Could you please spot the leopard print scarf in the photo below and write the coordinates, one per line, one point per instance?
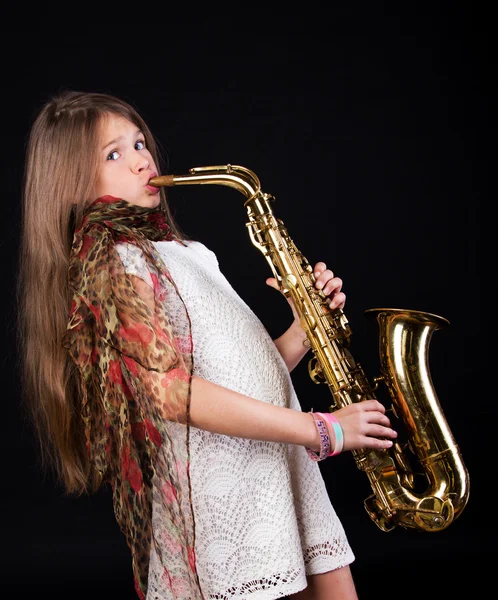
(134, 367)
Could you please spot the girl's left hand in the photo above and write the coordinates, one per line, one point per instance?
(326, 281)
(330, 285)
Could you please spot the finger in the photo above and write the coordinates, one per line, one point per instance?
(338, 301)
(272, 282)
(323, 278)
(332, 285)
(379, 431)
(377, 443)
(378, 418)
(319, 269)
(371, 405)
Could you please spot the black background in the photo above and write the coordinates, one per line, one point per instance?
(372, 128)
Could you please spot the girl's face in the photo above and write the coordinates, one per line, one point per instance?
(125, 164)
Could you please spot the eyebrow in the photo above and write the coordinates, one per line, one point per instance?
(121, 137)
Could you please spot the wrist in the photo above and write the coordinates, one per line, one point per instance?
(297, 331)
(330, 437)
(298, 339)
(321, 452)
(335, 432)
(314, 436)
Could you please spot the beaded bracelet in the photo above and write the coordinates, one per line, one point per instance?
(338, 433)
(323, 431)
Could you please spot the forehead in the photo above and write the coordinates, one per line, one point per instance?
(114, 126)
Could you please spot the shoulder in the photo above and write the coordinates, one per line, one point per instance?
(202, 250)
(130, 254)
(133, 260)
(194, 248)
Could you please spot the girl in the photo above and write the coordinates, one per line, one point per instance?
(145, 370)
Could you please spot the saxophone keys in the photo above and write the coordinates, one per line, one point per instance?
(289, 281)
(434, 514)
(307, 322)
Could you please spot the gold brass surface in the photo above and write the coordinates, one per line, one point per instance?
(421, 484)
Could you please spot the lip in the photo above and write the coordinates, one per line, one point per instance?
(151, 188)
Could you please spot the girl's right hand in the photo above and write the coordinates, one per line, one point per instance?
(364, 424)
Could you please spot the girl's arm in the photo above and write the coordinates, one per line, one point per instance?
(220, 410)
(224, 411)
(291, 343)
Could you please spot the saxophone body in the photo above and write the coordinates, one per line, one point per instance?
(432, 495)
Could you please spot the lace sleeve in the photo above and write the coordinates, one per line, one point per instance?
(134, 262)
(204, 251)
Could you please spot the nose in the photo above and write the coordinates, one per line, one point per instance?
(139, 163)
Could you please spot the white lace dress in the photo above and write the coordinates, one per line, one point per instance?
(263, 518)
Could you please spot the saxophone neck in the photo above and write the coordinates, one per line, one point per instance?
(240, 178)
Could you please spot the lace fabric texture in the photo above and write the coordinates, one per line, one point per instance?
(263, 518)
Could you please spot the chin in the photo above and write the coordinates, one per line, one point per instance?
(148, 202)
(154, 202)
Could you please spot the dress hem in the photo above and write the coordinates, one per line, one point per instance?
(284, 590)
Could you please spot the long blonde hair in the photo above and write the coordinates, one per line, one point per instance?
(59, 177)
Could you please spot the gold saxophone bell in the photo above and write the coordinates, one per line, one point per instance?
(429, 500)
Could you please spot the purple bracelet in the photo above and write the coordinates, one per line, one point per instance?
(338, 433)
(324, 439)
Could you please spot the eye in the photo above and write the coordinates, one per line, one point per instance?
(114, 155)
(139, 144)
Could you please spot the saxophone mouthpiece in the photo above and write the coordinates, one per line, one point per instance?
(162, 181)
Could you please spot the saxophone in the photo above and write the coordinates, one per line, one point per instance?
(398, 499)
